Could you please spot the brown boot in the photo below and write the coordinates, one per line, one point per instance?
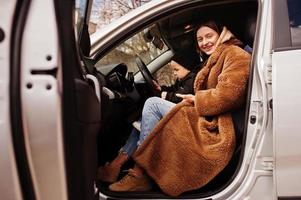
(110, 172)
(132, 182)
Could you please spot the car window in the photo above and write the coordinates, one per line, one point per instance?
(294, 9)
(146, 44)
(105, 11)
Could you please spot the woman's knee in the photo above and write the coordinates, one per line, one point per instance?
(151, 101)
(150, 104)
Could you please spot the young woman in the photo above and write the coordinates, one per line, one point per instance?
(195, 139)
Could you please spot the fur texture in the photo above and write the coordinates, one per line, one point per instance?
(192, 144)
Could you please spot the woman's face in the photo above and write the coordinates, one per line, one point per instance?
(207, 38)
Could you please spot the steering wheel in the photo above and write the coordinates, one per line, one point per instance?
(146, 75)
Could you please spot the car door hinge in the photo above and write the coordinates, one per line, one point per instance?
(267, 163)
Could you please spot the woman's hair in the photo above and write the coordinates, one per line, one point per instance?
(211, 24)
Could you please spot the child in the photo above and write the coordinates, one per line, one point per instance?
(184, 80)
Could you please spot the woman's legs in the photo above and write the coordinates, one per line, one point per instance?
(110, 172)
(131, 144)
(153, 111)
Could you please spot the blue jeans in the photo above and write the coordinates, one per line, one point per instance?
(153, 110)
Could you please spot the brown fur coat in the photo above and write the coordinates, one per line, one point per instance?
(187, 149)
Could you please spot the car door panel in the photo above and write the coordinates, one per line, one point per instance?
(286, 68)
(286, 121)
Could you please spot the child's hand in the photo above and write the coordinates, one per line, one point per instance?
(187, 98)
(158, 87)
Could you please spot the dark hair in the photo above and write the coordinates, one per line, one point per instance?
(211, 24)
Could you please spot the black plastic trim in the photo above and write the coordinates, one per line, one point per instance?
(19, 20)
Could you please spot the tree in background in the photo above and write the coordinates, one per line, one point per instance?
(109, 10)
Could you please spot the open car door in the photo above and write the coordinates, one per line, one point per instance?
(55, 110)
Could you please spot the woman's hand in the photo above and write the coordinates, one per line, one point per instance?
(187, 98)
(158, 87)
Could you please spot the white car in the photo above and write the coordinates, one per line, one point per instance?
(68, 99)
